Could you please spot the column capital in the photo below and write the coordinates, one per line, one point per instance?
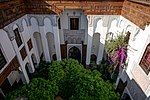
(90, 19)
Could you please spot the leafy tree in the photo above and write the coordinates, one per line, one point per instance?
(116, 50)
(68, 79)
(78, 83)
(37, 89)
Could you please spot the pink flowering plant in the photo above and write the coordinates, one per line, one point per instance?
(116, 51)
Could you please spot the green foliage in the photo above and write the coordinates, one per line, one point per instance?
(37, 89)
(112, 45)
(77, 83)
(68, 79)
(42, 70)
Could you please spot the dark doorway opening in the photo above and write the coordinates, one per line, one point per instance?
(126, 97)
(75, 53)
(54, 57)
(27, 67)
(121, 86)
(34, 61)
(93, 58)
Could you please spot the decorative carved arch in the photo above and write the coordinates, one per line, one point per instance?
(96, 20)
(75, 53)
(53, 22)
(33, 18)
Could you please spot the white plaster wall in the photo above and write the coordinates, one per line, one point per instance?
(26, 36)
(25, 33)
(49, 33)
(65, 17)
(48, 26)
(100, 24)
(137, 43)
(139, 39)
(7, 50)
(32, 29)
(11, 49)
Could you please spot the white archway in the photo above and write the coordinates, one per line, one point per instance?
(128, 29)
(113, 28)
(51, 44)
(38, 43)
(95, 43)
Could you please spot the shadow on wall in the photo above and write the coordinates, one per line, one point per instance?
(97, 49)
(136, 91)
(132, 89)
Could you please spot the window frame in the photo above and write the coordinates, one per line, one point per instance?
(18, 37)
(59, 23)
(79, 22)
(145, 63)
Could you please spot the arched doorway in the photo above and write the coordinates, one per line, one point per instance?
(34, 61)
(74, 53)
(51, 44)
(28, 70)
(54, 57)
(121, 86)
(93, 58)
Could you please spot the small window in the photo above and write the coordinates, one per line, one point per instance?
(17, 37)
(59, 25)
(74, 23)
(145, 61)
(30, 46)
(23, 53)
(2, 60)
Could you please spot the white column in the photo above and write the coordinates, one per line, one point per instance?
(29, 57)
(28, 53)
(57, 42)
(45, 44)
(90, 37)
(101, 45)
(22, 65)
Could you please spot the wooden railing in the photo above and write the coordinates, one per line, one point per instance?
(13, 65)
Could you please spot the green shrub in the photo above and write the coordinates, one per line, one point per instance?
(70, 80)
(37, 89)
